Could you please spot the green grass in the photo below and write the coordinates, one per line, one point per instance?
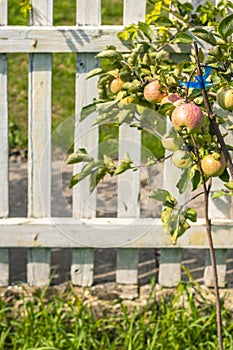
(181, 320)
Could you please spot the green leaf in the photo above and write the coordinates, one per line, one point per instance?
(125, 165)
(109, 54)
(163, 196)
(146, 29)
(86, 170)
(95, 177)
(206, 36)
(87, 110)
(79, 156)
(105, 106)
(229, 185)
(196, 180)
(174, 223)
(94, 72)
(183, 181)
(225, 27)
(225, 176)
(124, 35)
(184, 38)
(191, 214)
(163, 21)
(218, 194)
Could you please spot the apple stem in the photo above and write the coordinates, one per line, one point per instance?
(211, 246)
(211, 115)
(206, 189)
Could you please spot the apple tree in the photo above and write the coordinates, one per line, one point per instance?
(144, 87)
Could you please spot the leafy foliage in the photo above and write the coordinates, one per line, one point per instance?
(122, 98)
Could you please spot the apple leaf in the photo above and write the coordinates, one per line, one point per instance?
(95, 177)
(80, 156)
(109, 53)
(124, 166)
(218, 194)
(86, 171)
(163, 196)
(146, 29)
(183, 181)
(225, 27)
(163, 21)
(191, 214)
(174, 223)
(184, 38)
(225, 176)
(208, 37)
(229, 185)
(87, 110)
(196, 180)
(94, 72)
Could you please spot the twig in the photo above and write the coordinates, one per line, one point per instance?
(212, 116)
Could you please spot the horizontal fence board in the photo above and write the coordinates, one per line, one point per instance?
(106, 233)
(83, 39)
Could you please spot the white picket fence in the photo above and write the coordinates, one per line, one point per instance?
(40, 232)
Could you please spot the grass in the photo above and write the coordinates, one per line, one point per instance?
(63, 93)
(183, 319)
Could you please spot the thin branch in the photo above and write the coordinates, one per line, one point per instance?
(212, 116)
(206, 198)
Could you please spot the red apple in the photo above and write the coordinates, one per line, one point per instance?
(153, 92)
(116, 85)
(213, 164)
(225, 98)
(187, 115)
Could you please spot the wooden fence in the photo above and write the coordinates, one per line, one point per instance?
(40, 232)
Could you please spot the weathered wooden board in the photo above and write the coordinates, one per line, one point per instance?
(86, 136)
(39, 145)
(107, 232)
(129, 182)
(4, 168)
(83, 39)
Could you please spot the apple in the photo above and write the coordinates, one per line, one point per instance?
(187, 115)
(153, 92)
(116, 85)
(181, 159)
(213, 164)
(171, 98)
(171, 140)
(225, 98)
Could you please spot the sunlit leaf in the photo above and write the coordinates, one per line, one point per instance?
(80, 156)
(206, 36)
(225, 27)
(183, 181)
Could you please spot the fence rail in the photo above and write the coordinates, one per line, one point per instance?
(83, 232)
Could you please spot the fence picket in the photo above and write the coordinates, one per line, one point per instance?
(84, 205)
(170, 261)
(39, 148)
(170, 267)
(4, 168)
(129, 182)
